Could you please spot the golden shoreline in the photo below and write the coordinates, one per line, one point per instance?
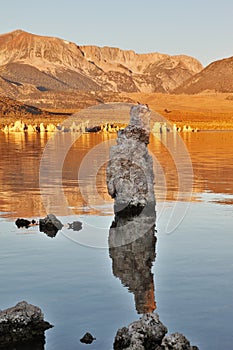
(210, 111)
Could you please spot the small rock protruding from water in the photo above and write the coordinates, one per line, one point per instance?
(149, 333)
(146, 333)
(75, 226)
(87, 338)
(25, 223)
(22, 323)
(50, 225)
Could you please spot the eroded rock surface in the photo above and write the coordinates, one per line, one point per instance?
(177, 341)
(21, 324)
(130, 177)
(50, 225)
(146, 333)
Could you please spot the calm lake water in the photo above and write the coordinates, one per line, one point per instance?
(82, 285)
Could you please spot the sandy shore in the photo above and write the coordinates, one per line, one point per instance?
(203, 111)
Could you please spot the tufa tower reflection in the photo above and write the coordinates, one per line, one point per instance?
(132, 244)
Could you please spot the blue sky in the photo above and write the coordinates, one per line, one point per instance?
(199, 28)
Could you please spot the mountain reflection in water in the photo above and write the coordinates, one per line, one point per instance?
(132, 249)
(211, 154)
(194, 264)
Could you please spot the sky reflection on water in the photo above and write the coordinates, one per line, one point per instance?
(191, 278)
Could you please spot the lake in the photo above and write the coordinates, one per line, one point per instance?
(78, 281)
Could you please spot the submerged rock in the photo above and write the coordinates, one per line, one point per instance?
(130, 177)
(87, 338)
(22, 323)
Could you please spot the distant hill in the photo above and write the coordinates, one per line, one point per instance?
(33, 64)
(12, 109)
(216, 77)
(54, 105)
(8, 105)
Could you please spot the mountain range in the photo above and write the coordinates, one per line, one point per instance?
(47, 71)
(216, 77)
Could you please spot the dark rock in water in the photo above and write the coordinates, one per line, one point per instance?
(22, 223)
(75, 226)
(145, 334)
(50, 225)
(87, 338)
(177, 341)
(130, 177)
(122, 339)
(23, 323)
(25, 223)
(148, 333)
(93, 129)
